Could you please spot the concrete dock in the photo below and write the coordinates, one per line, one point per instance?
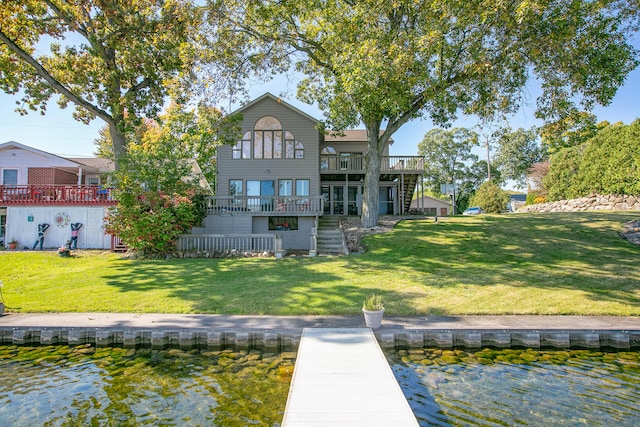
(342, 378)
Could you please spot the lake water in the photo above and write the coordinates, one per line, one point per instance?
(84, 386)
(520, 387)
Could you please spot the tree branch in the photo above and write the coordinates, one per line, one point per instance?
(59, 87)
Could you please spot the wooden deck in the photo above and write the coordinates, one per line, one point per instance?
(342, 378)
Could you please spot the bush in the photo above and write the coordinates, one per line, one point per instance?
(151, 222)
(490, 197)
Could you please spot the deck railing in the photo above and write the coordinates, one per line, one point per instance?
(55, 195)
(389, 164)
(228, 243)
(265, 205)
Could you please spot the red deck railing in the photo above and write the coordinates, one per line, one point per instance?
(55, 195)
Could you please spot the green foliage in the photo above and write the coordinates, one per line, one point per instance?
(490, 197)
(447, 154)
(574, 129)
(609, 163)
(159, 197)
(376, 62)
(517, 152)
(113, 59)
(151, 222)
(373, 302)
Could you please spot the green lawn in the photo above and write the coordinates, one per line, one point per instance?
(490, 264)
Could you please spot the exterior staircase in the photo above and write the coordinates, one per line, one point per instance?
(410, 182)
(330, 239)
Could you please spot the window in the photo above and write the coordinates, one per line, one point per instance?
(260, 188)
(327, 162)
(328, 151)
(242, 149)
(235, 190)
(302, 187)
(283, 223)
(285, 187)
(268, 140)
(10, 177)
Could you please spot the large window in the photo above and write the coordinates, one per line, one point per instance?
(302, 187)
(10, 177)
(268, 141)
(285, 187)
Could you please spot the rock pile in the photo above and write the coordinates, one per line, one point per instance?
(593, 202)
(632, 232)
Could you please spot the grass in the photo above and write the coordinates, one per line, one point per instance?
(573, 263)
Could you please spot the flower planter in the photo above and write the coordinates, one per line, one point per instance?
(64, 253)
(12, 245)
(373, 319)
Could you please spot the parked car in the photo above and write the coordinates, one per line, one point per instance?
(474, 210)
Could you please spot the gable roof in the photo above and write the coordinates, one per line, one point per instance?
(350, 135)
(103, 165)
(96, 164)
(268, 95)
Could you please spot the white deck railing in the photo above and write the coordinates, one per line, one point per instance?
(254, 243)
(265, 205)
(388, 164)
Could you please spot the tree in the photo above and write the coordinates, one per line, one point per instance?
(158, 197)
(192, 132)
(490, 198)
(608, 163)
(447, 154)
(575, 128)
(114, 65)
(517, 151)
(380, 62)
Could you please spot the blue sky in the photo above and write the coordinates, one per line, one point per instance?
(57, 132)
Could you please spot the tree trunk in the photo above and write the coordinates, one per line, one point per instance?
(373, 159)
(119, 142)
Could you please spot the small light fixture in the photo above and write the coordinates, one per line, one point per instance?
(268, 171)
(30, 218)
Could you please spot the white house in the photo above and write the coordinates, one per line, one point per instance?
(37, 187)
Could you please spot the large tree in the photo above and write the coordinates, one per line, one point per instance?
(448, 156)
(517, 151)
(111, 58)
(384, 62)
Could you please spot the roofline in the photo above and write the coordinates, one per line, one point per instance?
(279, 101)
(42, 152)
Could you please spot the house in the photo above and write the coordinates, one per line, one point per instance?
(431, 206)
(37, 187)
(284, 174)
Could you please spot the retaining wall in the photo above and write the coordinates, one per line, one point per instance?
(288, 340)
(594, 202)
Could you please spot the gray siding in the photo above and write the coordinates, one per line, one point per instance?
(227, 224)
(303, 130)
(294, 239)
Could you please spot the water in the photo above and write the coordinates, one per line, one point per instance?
(520, 387)
(84, 386)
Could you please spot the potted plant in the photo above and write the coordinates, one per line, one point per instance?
(373, 310)
(65, 250)
(13, 243)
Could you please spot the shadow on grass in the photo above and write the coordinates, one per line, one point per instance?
(420, 268)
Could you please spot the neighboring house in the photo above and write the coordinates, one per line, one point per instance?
(431, 206)
(38, 187)
(284, 174)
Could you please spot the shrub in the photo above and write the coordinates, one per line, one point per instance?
(490, 198)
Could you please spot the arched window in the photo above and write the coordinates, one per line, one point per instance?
(268, 141)
(329, 150)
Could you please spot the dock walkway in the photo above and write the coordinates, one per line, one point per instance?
(342, 378)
